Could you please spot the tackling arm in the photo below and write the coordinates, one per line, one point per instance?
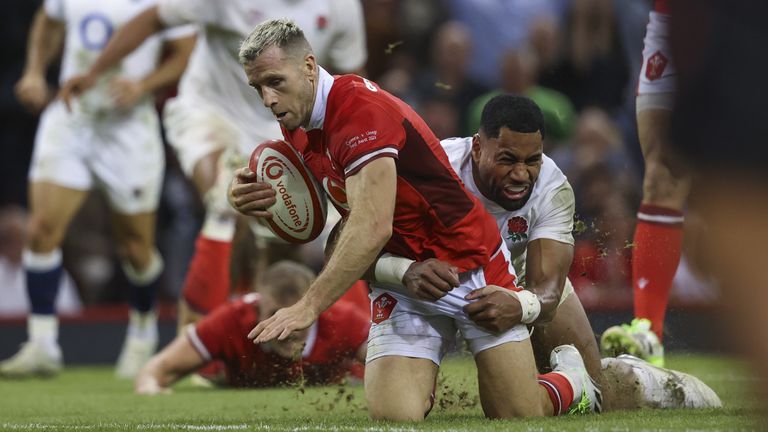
(169, 71)
(168, 366)
(127, 92)
(45, 44)
(371, 194)
(547, 265)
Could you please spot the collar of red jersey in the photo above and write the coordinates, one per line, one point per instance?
(324, 84)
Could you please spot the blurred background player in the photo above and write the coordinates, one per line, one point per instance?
(213, 123)
(504, 166)
(722, 83)
(110, 139)
(321, 354)
(658, 237)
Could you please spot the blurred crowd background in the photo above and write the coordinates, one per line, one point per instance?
(578, 59)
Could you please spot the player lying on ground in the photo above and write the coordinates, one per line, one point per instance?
(386, 172)
(111, 141)
(533, 203)
(321, 354)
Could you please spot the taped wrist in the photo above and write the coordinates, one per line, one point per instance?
(530, 305)
(391, 268)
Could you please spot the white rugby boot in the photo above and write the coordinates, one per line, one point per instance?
(666, 388)
(34, 359)
(567, 360)
(139, 346)
(636, 339)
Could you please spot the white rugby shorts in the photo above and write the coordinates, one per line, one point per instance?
(403, 326)
(195, 130)
(120, 154)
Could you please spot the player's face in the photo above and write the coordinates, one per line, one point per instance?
(269, 304)
(286, 84)
(506, 167)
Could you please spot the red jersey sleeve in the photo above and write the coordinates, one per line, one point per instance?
(367, 133)
(215, 336)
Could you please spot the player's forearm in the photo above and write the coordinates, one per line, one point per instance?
(549, 292)
(169, 72)
(154, 377)
(45, 43)
(547, 265)
(371, 194)
(174, 362)
(358, 246)
(126, 39)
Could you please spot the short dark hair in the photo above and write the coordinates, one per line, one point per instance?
(518, 113)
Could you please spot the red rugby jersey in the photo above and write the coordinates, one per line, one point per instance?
(435, 216)
(338, 333)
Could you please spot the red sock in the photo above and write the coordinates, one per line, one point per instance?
(655, 256)
(559, 390)
(207, 283)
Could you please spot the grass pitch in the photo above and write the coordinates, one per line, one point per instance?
(89, 398)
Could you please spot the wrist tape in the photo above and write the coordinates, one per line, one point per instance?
(530, 305)
(391, 268)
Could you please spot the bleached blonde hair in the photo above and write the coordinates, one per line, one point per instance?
(282, 32)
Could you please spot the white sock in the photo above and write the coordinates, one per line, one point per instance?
(44, 330)
(142, 325)
(220, 218)
(219, 228)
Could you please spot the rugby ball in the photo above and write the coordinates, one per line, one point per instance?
(299, 214)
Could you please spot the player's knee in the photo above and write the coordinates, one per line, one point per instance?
(205, 172)
(399, 412)
(136, 251)
(517, 409)
(44, 234)
(392, 406)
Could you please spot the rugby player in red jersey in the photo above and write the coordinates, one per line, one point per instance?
(320, 354)
(387, 174)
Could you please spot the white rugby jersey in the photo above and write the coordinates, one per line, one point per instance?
(547, 214)
(334, 29)
(90, 24)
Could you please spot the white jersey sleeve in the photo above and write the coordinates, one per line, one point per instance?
(178, 32)
(555, 219)
(55, 9)
(348, 51)
(458, 151)
(178, 12)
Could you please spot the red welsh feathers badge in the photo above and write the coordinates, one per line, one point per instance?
(655, 66)
(382, 308)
